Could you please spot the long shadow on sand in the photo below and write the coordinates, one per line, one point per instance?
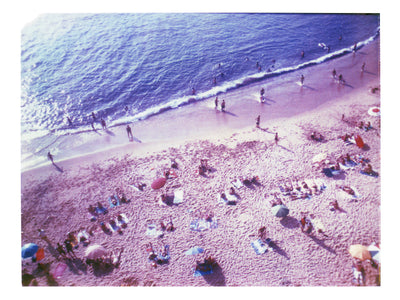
(289, 222)
(58, 168)
(278, 250)
(322, 244)
(230, 113)
(217, 278)
(76, 266)
(110, 132)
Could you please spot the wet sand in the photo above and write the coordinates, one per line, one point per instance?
(57, 199)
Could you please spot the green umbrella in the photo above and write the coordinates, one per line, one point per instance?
(280, 211)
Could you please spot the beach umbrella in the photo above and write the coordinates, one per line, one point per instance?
(95, 251)
(359, 251)
(158, 183)
(194, 250)
(375, 252)
(374, 111)
(280, 211)
(359, 141)
(29, 250)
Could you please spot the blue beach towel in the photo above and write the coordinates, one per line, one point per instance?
(259, 247)
(198, 273)
(110, 200)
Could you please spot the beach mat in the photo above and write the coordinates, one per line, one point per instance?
(112, 204)
(198, 273)
(202, 224)
(374, 174)
(259, 247)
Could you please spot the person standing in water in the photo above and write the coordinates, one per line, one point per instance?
(302, 79)
(103, 123)
(216, 102)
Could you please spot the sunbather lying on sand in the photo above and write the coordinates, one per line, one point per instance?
(167, 226)
(203, 168)
(347, 189)
(315, 136)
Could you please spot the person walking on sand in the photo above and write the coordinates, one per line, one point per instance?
(50, 156)
(103, 123)
(216, 102)
(276, 138)
(334, 74)
(223, 105)
(69, 248)
(363, 67)
(258, 121)
(61, 251)
(129, 131)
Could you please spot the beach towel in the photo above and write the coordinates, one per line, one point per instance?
(101, 210)
(123, 222)
(166, 257)
(178, 197)
(152, 231)
(202, 224)
(114, 227)
(230, 199)
(110, 200)
(373, 174)
(237, 184)
(202, 273)
(259, 247)
(59, 270)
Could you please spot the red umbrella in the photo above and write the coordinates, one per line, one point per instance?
(158, 183)
(40, 254)
(359, 141)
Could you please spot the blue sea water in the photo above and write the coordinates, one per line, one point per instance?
(128, 67)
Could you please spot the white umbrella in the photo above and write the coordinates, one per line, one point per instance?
(374, 111)
(95, 251)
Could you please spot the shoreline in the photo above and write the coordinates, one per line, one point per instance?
(57, 201)
(201, 119)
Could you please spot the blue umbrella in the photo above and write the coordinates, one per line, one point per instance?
(29, 250)
(280, 211)
(195, 250)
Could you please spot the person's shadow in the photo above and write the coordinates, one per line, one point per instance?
(216, 278)
(57, 167)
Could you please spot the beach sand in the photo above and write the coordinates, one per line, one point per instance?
(56, 197)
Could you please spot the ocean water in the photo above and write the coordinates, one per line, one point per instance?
(129, 67)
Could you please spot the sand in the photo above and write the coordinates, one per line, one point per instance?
(58, 201)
